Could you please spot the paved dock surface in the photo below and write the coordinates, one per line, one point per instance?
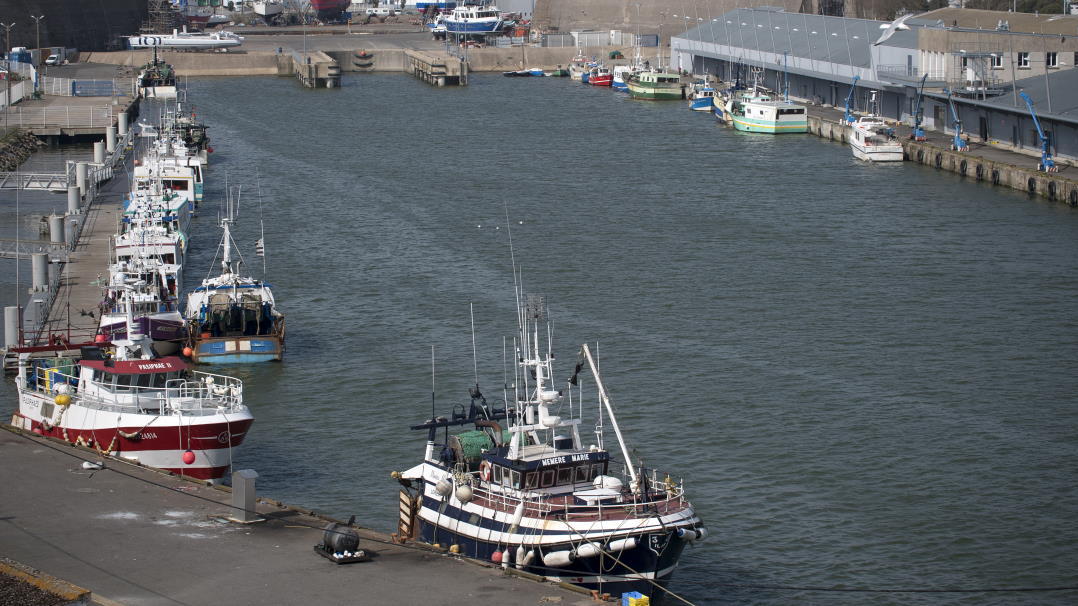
(136, 537)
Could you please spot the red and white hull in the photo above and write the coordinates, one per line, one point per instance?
(601, 79)
(159, 441)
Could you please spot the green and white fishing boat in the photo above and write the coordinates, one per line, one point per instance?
(758, 112)
(656, 85)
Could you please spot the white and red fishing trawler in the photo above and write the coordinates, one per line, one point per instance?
(123, 400)
(534, 496)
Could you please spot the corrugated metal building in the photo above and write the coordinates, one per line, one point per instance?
(818, 56)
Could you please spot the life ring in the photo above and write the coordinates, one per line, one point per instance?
(484, 471)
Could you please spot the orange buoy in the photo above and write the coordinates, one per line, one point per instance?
(188, 457)
(187, 351)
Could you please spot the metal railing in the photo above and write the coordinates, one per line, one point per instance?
(189, 397)
(99, 116)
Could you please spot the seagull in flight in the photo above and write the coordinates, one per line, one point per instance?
(892, 27)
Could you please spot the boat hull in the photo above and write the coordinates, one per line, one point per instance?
(766, 126)
(155, 440)
(473, 27)
(654, 93)
(600, 80)
(703, 104)
(882, 153)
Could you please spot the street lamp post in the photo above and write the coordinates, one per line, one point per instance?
(7, 53)
(37, 26)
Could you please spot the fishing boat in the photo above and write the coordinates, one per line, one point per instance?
(620, 77)
(156, 80)
(578, 66)
(437, 26)
(233, 318)
(124, 400)
(756, 111)
(517, 485)
(600, 76)
(874, 140)
(656, 85)
(186, 40)
(144, 291)
(702, 96)
(474, 19)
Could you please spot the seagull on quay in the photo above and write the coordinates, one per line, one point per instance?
(892, 27)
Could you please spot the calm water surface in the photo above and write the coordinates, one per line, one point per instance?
(865, 374)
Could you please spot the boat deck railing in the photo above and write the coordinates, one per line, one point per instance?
(197, 397)
(660, 496)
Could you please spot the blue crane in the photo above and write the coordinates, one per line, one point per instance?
(849, 99)
(1047, 164)
(918, 133)
(959, 144)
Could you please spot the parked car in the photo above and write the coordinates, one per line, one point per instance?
(53, 60)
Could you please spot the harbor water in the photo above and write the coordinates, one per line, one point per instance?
(865, 374)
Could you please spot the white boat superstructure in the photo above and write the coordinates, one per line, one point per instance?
(874, 140)
(184, 40)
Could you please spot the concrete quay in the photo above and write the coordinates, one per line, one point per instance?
(138, 537)
(981, 161)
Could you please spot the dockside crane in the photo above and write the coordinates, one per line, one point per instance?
(959, 144)
(1047, 164)
(918, 133)
(849, 99)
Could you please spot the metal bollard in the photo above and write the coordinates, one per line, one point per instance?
(11, 326)
(40, 266)
(99, 152)
(81, 176)
(73, 201)
(110, 139)
(56, 229)
(121, 121)
(243, 496)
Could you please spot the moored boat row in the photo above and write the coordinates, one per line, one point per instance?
(130, 394)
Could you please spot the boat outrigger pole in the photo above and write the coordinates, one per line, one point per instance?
(849, 99)
(918, 132)
(610, 410)
(959, 144)
(1047, 164)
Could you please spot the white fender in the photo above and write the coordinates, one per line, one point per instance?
(558, 558)
(687, 534)
(701, 533)
(518, 515)
(507, 557)
(443, 487)
(464, 493)
(589, 550)
(528, 558)
(520, 556)
(621, 544)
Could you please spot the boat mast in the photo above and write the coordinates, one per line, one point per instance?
(610, 410)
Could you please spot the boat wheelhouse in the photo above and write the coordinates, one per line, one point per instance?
(523, 489)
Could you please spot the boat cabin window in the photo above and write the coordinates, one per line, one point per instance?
(583, 473)
(531, 479)
(513, 477)
(176, 184)
(497, 474)
(791, 111)
(565, 475)
(548, 478)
